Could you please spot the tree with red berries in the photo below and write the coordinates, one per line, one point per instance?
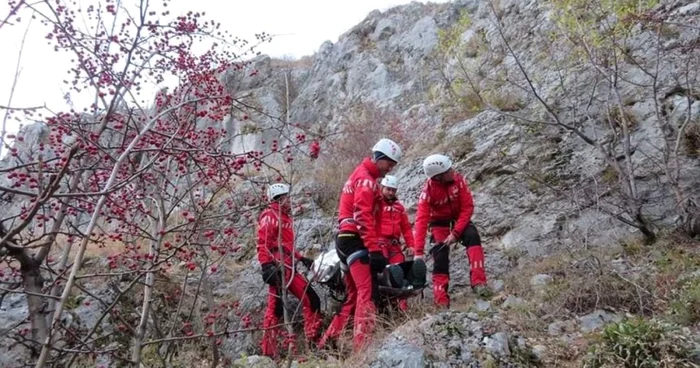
(153, 186)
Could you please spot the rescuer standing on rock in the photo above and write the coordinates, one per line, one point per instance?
(446, 206)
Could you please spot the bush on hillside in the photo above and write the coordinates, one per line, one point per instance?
(641, 343)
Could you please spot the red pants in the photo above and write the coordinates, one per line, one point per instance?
(393, 252)
(310, 303)
(358, 303)
(394, 255)
(360, 289)
(441, 261)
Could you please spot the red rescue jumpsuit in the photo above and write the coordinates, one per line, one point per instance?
(359, 219)
(394, 224)
(448, 208)
(268, 252)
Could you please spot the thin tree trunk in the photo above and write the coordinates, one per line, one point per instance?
(210, 301)
(33, 283)
(63, 262)
(287, 320)
(141, 329)
(206, 285)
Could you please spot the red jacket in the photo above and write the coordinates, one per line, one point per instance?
(269, 232)
(359, 204)
(438, 201)
(395, 222)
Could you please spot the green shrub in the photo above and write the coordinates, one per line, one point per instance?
(640, 343)
(685, 306)
(250, 128)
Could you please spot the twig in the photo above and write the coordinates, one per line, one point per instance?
(28, 293)
(14, 84)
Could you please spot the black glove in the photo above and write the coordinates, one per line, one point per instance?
(271, 275)
(306, 261)
(377, 262)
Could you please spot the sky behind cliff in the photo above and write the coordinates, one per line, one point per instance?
(299, 27)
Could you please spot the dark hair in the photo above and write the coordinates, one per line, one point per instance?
(278, 196)
(381, 156)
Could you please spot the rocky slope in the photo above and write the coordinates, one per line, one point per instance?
(539, 187)
(532, 183)
(456, 71)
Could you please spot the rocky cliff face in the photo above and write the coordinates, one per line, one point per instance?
(561, 135)
(536, 182)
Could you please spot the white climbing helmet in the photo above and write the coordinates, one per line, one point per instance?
(436, 164)
(389, 148)
(277, 189)
(390, 181)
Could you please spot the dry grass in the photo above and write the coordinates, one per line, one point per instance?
(100, 250)
(562, 354)
(364, 124)
(459, 146)
(582, 284)
(615, 119)
(586, 280)
(304, 62)
(94, 250)
(460, 108)
(692, 140)
(504, 101)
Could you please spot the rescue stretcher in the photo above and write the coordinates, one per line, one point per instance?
(402, 280)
